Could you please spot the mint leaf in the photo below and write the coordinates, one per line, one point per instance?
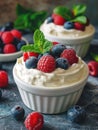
(94, 56)
(41, 45)
(80, 19)
(64, 12)
(79, 9)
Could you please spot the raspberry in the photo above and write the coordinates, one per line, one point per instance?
(54, 43)
(79, 26)
(70, 55)
(25, 56)
(46, 64)
(34, 121)
(33, 54)
(59, 20)
(7, 37)
(9, 48)
(16, 33)
(3, 79)
(93, 68)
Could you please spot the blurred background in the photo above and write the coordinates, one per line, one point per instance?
(8, 8)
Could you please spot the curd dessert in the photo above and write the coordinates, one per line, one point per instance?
(49, 75)
(70, 27)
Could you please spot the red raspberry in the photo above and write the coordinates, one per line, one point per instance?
(93, 68)
(70, 55)
(79, 26)
(46, 64)
(25, 56)
(54, 15)
(3, 79)
(7, 37)
(16, 33)
(33, 54)
(59, 20)
(9, 48)
(34, 121)
(54, 43)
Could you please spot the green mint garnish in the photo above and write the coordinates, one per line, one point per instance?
(64, 12)
(94, 56)
(41, 45)
(79, 9)
(80, 19)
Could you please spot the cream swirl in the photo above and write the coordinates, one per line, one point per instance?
(56, 30)
(57, 78)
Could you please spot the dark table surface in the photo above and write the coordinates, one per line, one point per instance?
(11, 97)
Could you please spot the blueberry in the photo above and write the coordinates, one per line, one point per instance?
(68, 25)
(57, 50)
(31, 62)
(49, 20)
(20, 44)
(76, 114)
(18, 112)
(62, 63)
(39, 56)
(7, 27)
(0, 94)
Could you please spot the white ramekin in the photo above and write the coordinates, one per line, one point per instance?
(50, 100)
(79, 44)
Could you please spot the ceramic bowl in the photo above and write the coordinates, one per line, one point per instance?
(50, 100)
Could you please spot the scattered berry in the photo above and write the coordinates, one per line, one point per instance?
(46, 64)
(18, 112)
(34, 121)
(76, 114)
(16, 33)
(59, 20)
(9, 48)
(3, 79)
(79, 26)
(57, 50)
(62, 63)
(7, 37)
(93, 68)
(68, 25)
(31, 62)
(49, 20)
(0, 94)
(70, 55)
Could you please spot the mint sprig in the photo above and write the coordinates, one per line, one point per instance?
(80, 19)
(94, 56)
(41, 45)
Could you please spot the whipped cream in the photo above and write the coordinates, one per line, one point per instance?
(58, 78)
(51, 29)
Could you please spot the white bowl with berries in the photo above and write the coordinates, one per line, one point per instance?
(50, 78)
(70, 27)
(10, 45)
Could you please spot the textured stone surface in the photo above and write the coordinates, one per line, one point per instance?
(11, 97)
(7, 7)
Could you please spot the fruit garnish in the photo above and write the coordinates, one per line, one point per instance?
(93, 68)
(79, 26)
(18, 112)
(3, 79)
(59, 20)
(76, 114)
(41, 45)
(34, 121)
(70, 55)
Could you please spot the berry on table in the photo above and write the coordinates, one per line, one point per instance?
(3, 79)
(93, 68)
(62, 63)
(18, 112)
(76, 114)
(34, 121)
(7, 37)
(31, 62)
(9, 48)
(68, 25)
(46, 64)
(70, 55)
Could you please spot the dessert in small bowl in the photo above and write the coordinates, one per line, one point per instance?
(70, 27)
(11, 42)
(49, 82)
